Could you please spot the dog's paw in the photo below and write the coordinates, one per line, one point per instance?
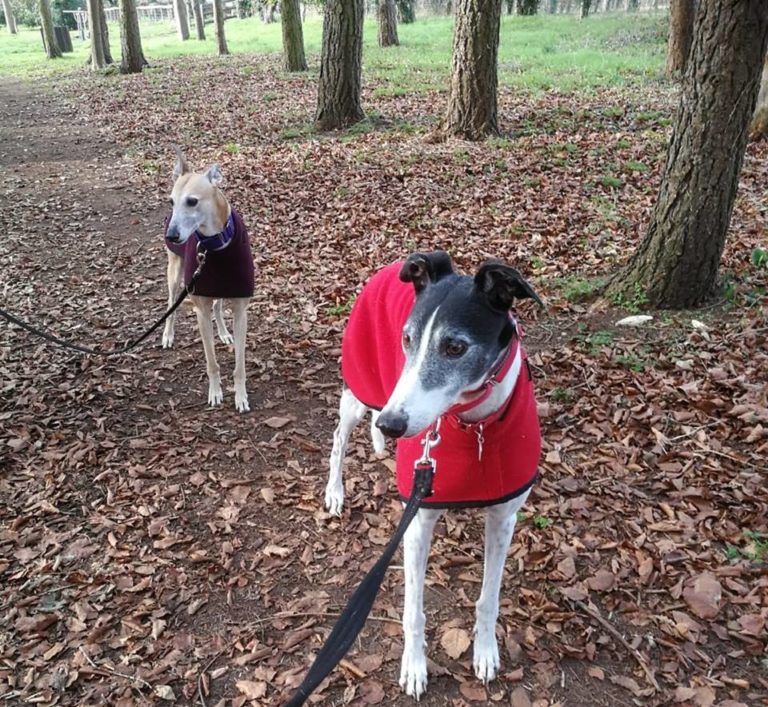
(334, 498)
(241, 402)
(215, 394)
(167, 339)
(413, 674)
(486, 658)
(226, 337)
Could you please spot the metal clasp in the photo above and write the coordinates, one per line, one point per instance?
(430, 441)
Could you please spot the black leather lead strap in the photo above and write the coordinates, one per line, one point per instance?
(352, 619)
(189, 289)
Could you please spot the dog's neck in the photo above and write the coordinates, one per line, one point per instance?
(499, 394)
(217, 215)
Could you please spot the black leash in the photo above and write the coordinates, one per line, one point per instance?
(189, 289)
(352, 619)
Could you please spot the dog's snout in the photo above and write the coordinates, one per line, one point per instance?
(173, 233)
(393, 425)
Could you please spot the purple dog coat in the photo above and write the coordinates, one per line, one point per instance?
(228, 271)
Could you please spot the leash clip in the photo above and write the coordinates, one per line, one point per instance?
(430, 441)
(201, 255)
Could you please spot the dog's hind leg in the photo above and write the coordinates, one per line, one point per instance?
(351, 411)
(240, 327)
(174, 273)
(221, 326)
(499, 526)
(416, 544)
(203, 306)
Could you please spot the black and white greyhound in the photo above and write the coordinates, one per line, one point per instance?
(426, 345)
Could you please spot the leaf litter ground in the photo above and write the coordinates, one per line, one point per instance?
(154, 550)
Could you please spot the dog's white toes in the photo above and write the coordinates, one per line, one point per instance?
(334, 499)
(486, 660)
(226, 338)
(241, 403)
(215, 395)
(413, 675)
(167, 341)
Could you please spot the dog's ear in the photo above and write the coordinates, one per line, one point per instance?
(423, 268)
(181, 166)
(501, 285)
(214, 175)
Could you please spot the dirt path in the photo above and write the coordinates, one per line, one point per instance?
(143, 534)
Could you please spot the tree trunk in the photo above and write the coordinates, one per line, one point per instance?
(472, 103)
(52, 49)
(677, 262)
(633, 5)
(199, 21)
(407, 11)
(585, 6)
(218, 21)
(98, 60)
(760, 118)
(527, 7)
(293, 36)
(130, 38)
(104, 28)
(681, 14)
(338, 89)
(182, 21)
(10, 20)
(388, 24)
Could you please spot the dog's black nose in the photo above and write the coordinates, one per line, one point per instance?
(172, 234)
(392, 425)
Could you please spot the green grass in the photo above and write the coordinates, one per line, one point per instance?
(536, 53)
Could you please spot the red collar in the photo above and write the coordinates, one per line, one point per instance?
(495, 377)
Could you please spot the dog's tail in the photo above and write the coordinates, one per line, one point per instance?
(377, 436)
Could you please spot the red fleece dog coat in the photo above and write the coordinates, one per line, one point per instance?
(227, 272)
(371, 361)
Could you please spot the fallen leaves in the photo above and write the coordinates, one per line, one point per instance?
(160, 535)
(454, 642)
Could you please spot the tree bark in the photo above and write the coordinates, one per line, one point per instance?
(104, 29)
(182, 21)
(52, 49)
(585, 7)
(527, 7)
(293, 36)
(10, 20)
(388, 24)
(472, 99)
(760, 118)
(338, 89)
(681, 14)
(407, 11)
(199, 20)
(130, 38)
(676, 264)
(218, 21)
(98, 60)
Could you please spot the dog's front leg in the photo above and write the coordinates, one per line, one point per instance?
(499, 526)
(416, 544)
(203, 306)
(240, 326)
(351, 411)
(174, 273)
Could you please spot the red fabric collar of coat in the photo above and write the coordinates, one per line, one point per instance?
(372, 360)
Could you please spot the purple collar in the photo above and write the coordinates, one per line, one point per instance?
(218, 241)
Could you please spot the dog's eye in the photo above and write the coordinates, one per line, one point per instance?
(406, 341)
(192, 201)
(454, 349)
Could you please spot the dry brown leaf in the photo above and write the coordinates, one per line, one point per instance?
(455, 641)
